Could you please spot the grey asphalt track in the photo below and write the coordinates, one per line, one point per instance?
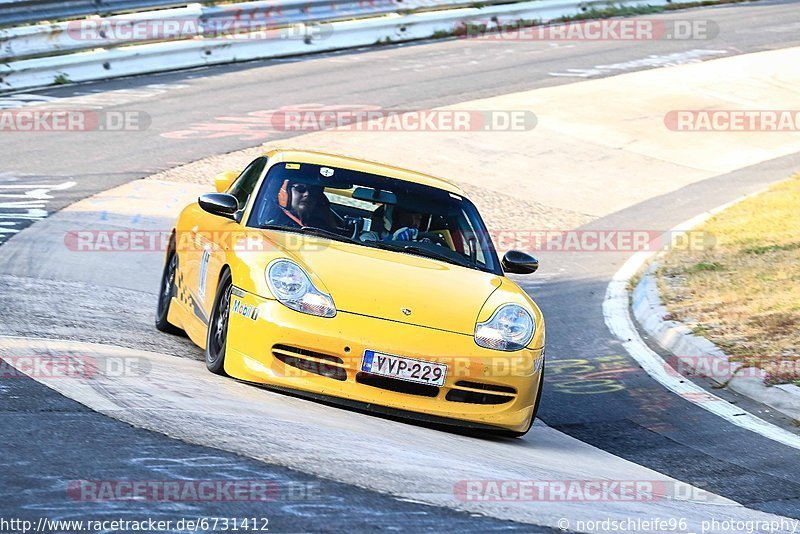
(50, 443)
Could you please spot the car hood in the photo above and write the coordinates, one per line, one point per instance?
(394, 285)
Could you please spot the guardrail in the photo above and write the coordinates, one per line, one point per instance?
(27, 11)
(78, 51)
(217, 21)
(176, 24)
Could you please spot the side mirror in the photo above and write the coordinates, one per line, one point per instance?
(221, 204)
(517, 262)
(224, 180)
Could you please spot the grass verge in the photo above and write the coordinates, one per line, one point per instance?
(743, 291)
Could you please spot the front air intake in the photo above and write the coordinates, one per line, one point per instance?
(311, 361)
(480, 393)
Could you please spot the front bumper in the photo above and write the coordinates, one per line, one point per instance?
(322, 356)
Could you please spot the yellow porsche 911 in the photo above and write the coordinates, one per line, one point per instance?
(358, 283)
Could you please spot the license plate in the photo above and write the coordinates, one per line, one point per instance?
(409, 369)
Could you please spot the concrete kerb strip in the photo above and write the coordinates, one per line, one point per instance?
(700, 354)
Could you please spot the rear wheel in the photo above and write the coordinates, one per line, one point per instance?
(165, 294)
(218, 326)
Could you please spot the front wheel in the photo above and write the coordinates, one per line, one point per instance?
(218, 327)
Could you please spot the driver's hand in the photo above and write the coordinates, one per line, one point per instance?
(405, 234)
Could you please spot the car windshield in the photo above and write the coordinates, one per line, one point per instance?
(374, 211)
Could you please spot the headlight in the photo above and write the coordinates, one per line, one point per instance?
(293, 288)
(511, 327)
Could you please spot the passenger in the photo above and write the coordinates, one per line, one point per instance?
(406, 225)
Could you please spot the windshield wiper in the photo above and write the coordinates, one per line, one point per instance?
(429, 253)
(419, 251)
(325, 233)
(310, 230)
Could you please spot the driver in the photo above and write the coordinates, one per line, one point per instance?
(302, 204)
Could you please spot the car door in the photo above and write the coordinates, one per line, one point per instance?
(216, 234)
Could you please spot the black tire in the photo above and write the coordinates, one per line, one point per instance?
(217, 338)
(511, 433)
(166, 292)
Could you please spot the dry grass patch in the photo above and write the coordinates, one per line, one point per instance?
(743, 292)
